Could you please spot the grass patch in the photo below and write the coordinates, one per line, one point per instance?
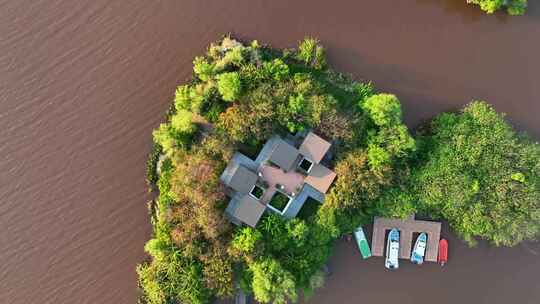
(257, 192)
(279, 201)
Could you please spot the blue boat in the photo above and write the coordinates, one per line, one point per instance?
(419, 250)
(392, 250)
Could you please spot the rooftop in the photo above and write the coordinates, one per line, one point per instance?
(277, 168)
(249, 210)
(314, 147)
(320, 178)
(242, 179)
(284, 155)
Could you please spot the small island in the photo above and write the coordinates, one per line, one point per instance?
(268, 156)
(512, 7)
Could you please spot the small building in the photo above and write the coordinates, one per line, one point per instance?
(283, 176)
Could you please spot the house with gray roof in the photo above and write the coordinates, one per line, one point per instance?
(284, 175)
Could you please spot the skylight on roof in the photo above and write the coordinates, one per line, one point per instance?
(306, 164)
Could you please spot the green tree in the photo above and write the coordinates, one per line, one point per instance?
(378, 156)
(390, 139)
(229, 85)
(296, 109)
(271, 283)
(364, 91)
(353, 198)
(182, 122)
(481, 176)
(513, 7)
(383, 109)
(311, 53)
(178, 133)
(153, 292)
(172, 279)
(164, 137)
(188, 98)
(246, 241)
(275, 69)
(203, 69)
(233, 55)
(394, 141)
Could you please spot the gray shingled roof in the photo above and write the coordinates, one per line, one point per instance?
(284, 155)
(249, 210)
(243, 179)
(314, 147)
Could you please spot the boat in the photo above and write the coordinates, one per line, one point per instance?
(419, 249)
(362, 243)
(392, 250)
(442, 257)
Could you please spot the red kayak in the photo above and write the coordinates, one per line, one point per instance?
(443, 252)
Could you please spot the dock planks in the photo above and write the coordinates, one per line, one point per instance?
(406, 229)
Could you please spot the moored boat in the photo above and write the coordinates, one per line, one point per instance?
(363, 245)
(392, 250)
(442, 257)
(419, 249)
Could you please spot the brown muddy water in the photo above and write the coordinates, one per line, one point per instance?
(83, 83)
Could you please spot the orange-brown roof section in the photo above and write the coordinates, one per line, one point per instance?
(314, 147)
(320, 178)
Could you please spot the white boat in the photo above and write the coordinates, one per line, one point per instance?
(419, 249)
(392, 250)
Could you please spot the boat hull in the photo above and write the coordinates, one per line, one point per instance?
(392, 250)
(362, 243)
(442, 257)
(419, 249)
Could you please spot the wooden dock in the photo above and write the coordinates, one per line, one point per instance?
(406, 228)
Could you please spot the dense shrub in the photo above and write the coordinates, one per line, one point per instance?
(203, 69)
(311, 53)
(229, 86)
(177, 134)
(513, 7)
(152, 163)
(272, 283)
(165, 281)
(481, 176)
(389, 139)
(275, 69)
(246, 242)
(383, 109)
(354, 198)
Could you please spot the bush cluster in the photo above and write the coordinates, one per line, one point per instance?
(481, 176)
(513, 7)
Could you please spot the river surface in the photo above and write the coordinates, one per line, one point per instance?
(83, 83)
